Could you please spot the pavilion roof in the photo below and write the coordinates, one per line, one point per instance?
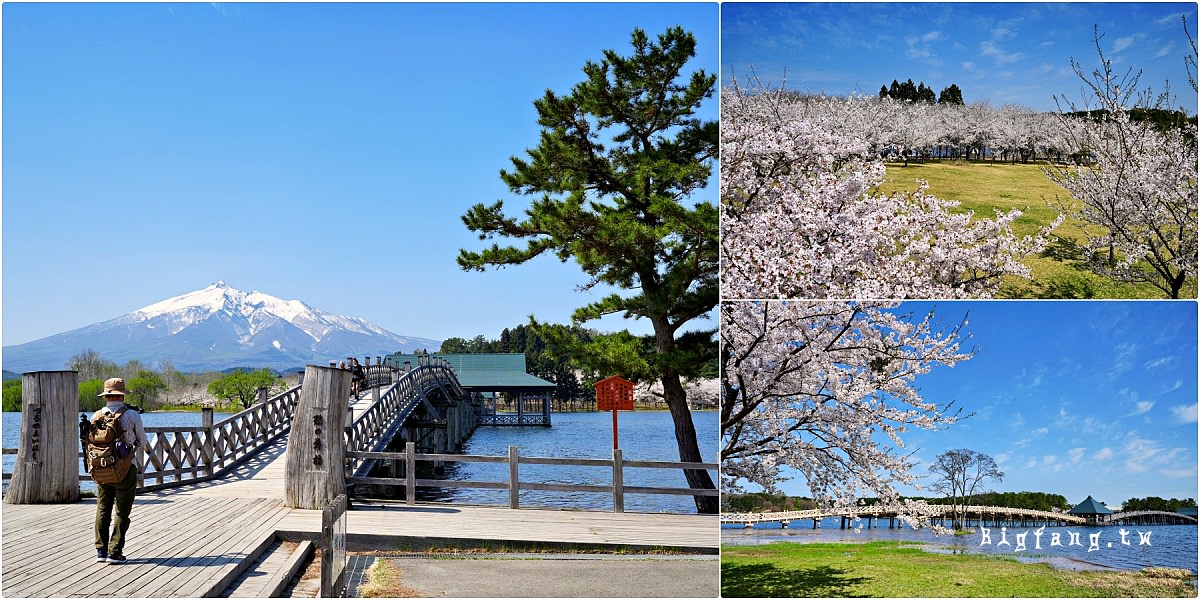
(1089, 507)
(485, 372)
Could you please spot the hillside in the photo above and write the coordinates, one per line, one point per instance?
(983, 186)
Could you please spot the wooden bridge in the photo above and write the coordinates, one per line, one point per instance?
(982, 515)
(215, 514)
(1148, 517)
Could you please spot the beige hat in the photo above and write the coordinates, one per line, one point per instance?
(113, 387)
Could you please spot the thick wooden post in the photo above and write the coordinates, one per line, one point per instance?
(47, 467)
(316, 453)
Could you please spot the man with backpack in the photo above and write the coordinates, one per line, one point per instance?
(114, 434)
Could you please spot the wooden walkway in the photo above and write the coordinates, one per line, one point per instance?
(194, 540)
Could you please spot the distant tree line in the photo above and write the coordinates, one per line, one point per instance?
(766, 502)
(1156, 503)
(155, 387)
(1026, 500)
(906, 91)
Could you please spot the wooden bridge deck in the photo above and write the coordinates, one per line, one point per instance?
(193, 540)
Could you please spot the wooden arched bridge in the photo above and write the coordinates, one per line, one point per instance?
(982, 515)
(1148, 517)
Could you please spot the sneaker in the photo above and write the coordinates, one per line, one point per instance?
(116, 558)
(101, 555)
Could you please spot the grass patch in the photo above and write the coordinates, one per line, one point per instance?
(890, 569)
(383, 581)
(983, 187)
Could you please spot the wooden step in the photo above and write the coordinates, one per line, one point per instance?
(270, 574)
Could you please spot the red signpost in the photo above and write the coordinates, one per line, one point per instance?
(614, 393)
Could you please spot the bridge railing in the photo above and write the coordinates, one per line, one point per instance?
(376, 425)
(181, 455)
(514, 485)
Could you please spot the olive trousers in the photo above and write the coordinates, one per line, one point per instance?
(119, 495)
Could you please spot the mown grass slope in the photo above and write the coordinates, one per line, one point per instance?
(890, 569)
(983, 187)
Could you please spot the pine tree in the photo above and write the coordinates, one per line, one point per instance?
(617, 164)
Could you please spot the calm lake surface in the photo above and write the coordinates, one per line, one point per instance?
(1166, 545)
(643, 435)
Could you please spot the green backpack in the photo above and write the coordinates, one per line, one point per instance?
(108, 457)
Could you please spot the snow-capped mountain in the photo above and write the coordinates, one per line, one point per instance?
(218, 328)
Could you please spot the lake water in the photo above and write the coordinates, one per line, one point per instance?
(1163, 545)
(643, 435)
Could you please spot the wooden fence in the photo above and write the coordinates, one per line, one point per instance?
(514, 485)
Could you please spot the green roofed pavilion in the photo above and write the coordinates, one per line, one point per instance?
(484, 372)
(491, 373)
(1091, 509)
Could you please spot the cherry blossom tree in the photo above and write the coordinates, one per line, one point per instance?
(815, 387)
(800, 219)
(1137, 184)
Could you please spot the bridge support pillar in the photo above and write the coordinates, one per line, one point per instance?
(816, 523)
(783, 524)
(47, 467)
(315, 472)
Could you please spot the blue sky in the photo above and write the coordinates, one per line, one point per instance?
(1011, 52)
(1071, 397)
(320, 152)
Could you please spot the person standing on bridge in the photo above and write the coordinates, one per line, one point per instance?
(359, 381)
(111, 544)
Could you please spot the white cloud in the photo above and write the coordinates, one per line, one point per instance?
(1187, 472)
(1165, 50)
(1185, 413)
(1142, 454)
(1003, 33)
(989, 48)
(1143, 407)
(1139, 452)
(1122, 43)
(1076, 455)
(1103, 454)
(1158, 362)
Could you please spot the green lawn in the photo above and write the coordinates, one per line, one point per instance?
(982, 187)
(890, 569)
